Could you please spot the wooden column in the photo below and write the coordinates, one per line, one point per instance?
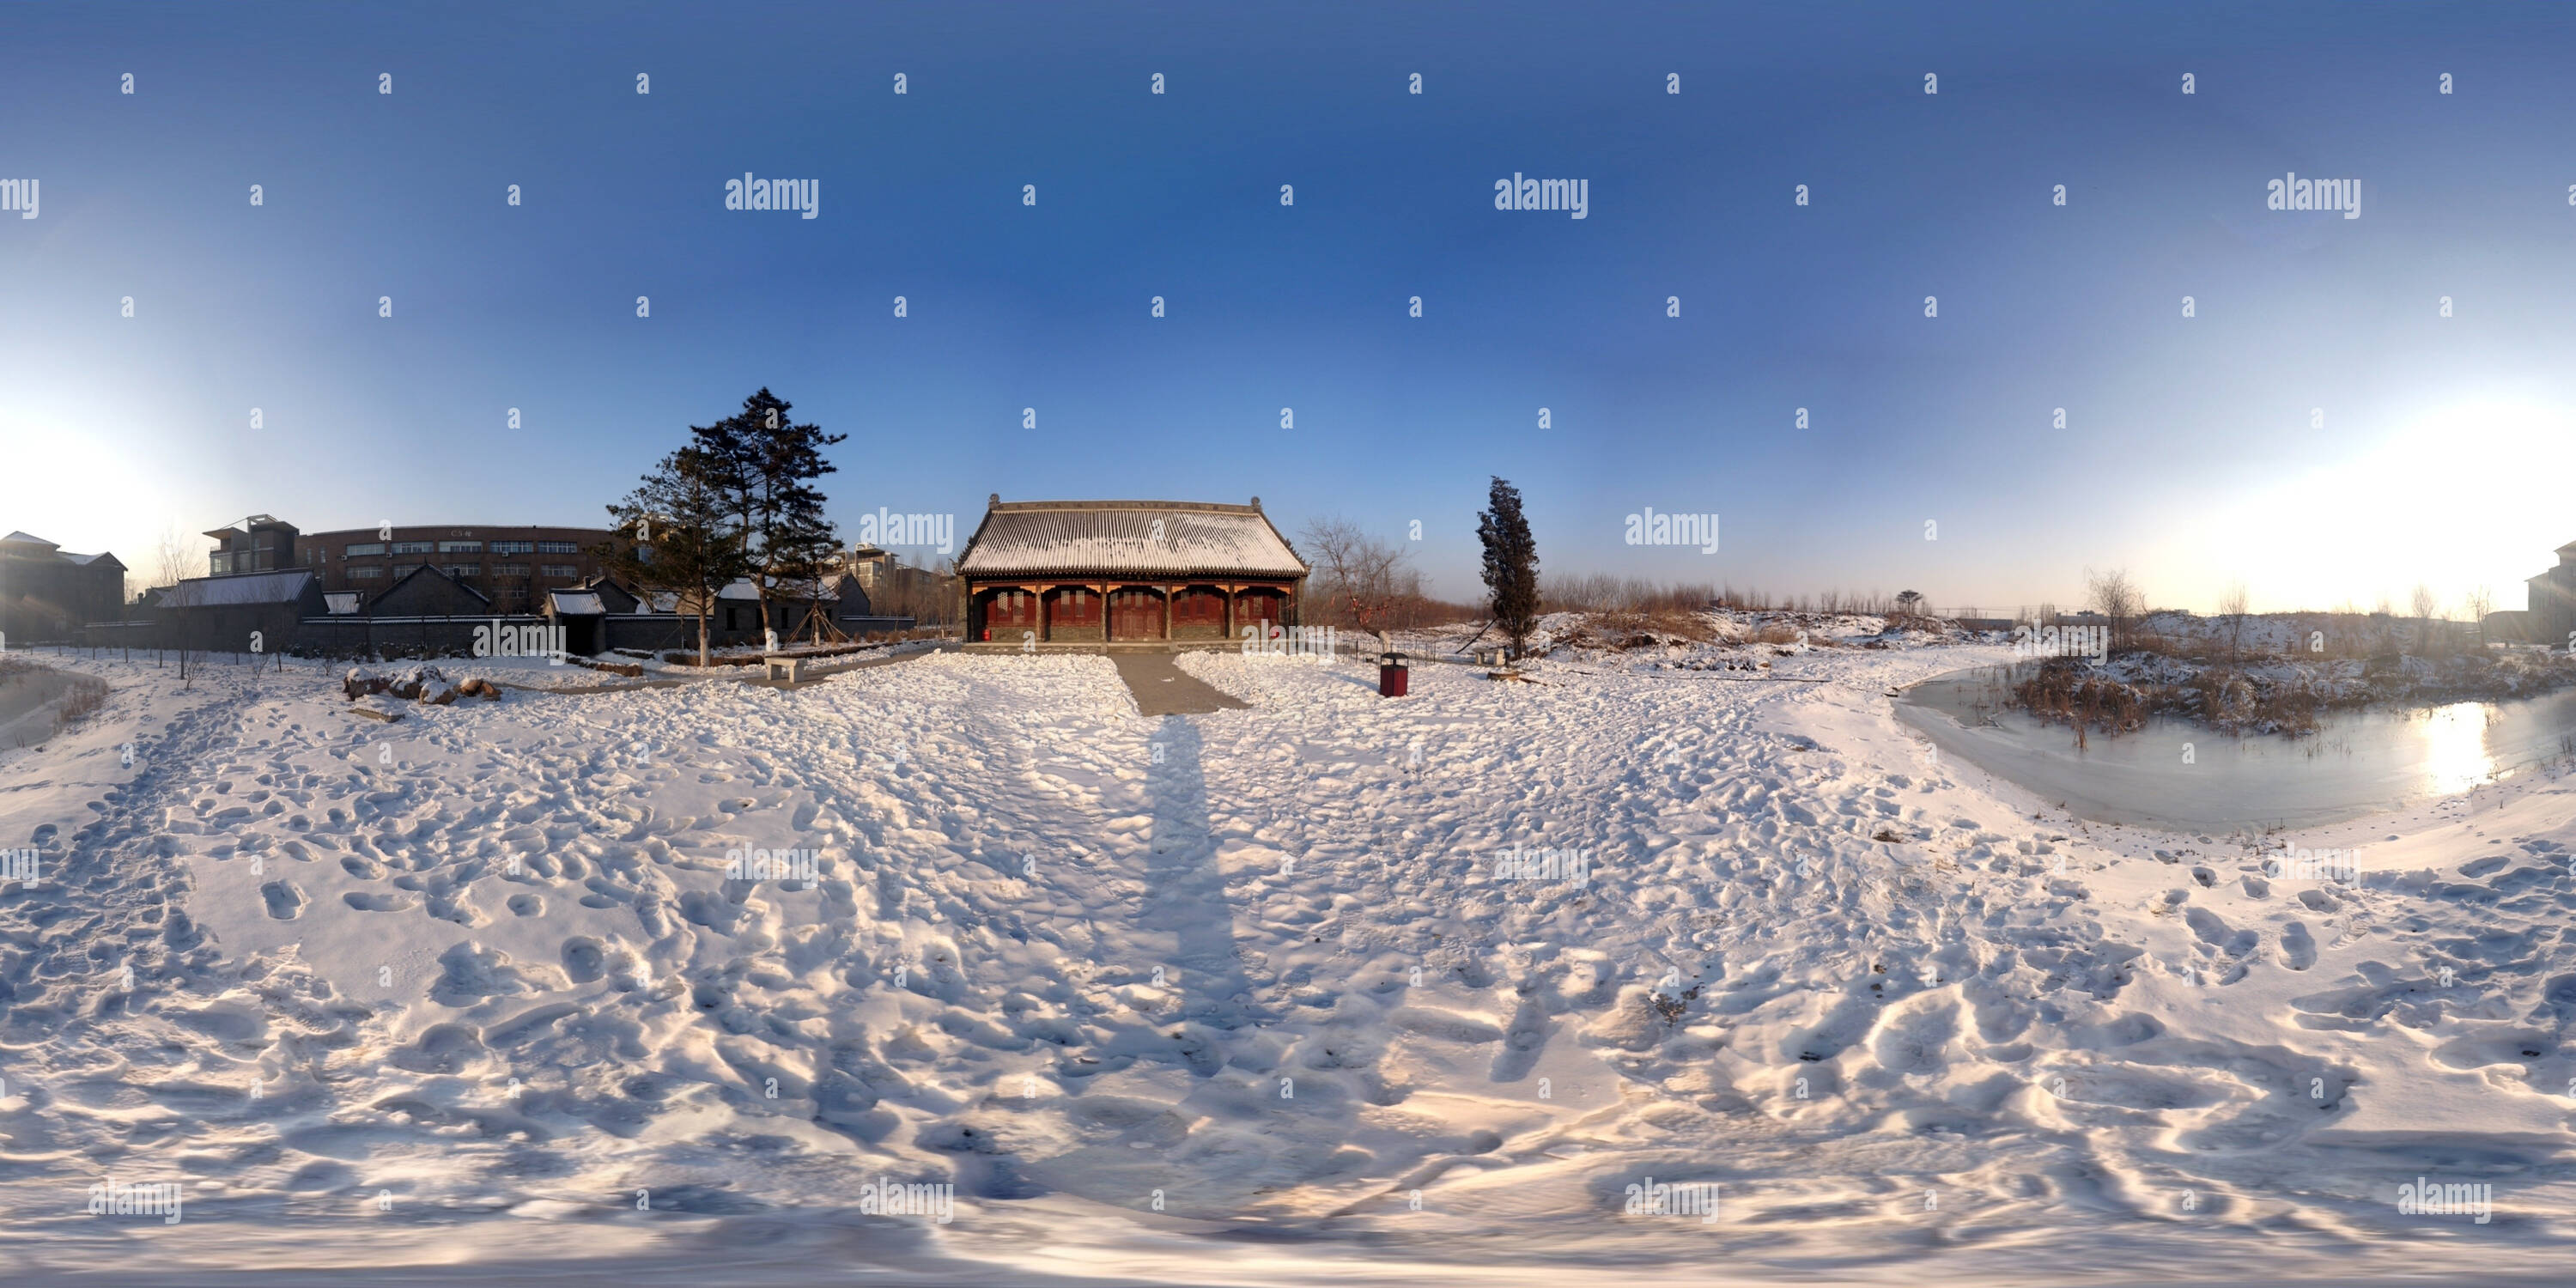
(1167, 614)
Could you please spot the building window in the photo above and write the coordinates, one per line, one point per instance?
(414, 547)
(1074, 608)
(405, 570)
(1198, 607)
(560, 570)
(460, 547)
(371, 548)
(464, 570)
(514, 547)
(509, 570)
(368, 572)
(558, 547)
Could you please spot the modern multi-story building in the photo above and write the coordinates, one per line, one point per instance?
(894, 587)
(512, 567)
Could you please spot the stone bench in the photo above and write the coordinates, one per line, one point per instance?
(772, 664)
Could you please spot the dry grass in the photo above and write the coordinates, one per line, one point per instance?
(2066, 689)
(88, 697)
(2227, 699)
(1635, 629)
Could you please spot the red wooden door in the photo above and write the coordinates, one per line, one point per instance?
(1258, 608)
(1198, 606)
(1135, 615)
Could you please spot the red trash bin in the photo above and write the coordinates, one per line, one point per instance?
(1392, 675)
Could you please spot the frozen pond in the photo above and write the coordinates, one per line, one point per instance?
(27, 698)
(2356, 764)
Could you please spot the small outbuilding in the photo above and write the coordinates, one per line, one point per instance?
(228, 612)
(580, 613)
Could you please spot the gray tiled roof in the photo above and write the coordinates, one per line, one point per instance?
(1127, 538)
(248, 588)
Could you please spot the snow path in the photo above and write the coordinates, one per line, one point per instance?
(1130, 983)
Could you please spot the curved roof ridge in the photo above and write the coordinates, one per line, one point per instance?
(1127, 539)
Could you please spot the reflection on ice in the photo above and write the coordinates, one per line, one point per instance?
(2175, 773)
(2455, 748)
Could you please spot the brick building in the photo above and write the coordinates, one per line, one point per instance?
(512, 568)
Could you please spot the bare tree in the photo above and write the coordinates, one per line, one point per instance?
(2116, 598)
(1364, 578)
(176, 558)
(2423, 606)
(2478, 603)
(2232, 606)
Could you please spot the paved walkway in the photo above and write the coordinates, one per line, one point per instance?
(1162, 688)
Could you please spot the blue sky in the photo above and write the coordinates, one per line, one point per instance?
(2192, 454)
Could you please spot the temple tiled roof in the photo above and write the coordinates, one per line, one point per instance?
(1127, 539)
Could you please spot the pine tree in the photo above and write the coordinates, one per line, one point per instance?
(676, 532)
(764, 464)
(1511, 565)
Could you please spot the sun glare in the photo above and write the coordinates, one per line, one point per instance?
(2464, 497)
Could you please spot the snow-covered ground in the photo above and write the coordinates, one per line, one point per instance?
(1242, 997)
